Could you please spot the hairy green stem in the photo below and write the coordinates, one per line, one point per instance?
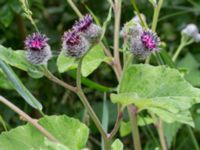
(28, 118)
(85, 102)
(156, 15)
(132, 111)
(184, 42)
(161, 134)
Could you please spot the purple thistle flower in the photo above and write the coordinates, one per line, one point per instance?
(88, 29)
(38, 50)
(83, 24)
(150, 40)
(36, 41)
(74, 44)
(144, 43)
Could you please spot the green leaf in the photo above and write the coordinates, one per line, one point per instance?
(4, 82)
(160, 90)
(192, 66)
(125, 127)
(91, 61)
(18, 59)
(54, 146)
(170, 131)
(117, 145)
(19, 87)
(70, 132)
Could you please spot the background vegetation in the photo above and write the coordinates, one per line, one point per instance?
(53, 17)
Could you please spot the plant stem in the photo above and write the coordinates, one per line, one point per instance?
(139, 14)
(132, 111)
(28, 118)
(53, 78)
(196, 145)
(161, 134)
(73, 6)
(117, 125)
(86, 103)
(181, 46)
(117, 12)
(184, 42)
(156, 15)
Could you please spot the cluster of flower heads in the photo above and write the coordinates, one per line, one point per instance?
(83, 34)
(75, 43)
(141, 42)
(192, 32)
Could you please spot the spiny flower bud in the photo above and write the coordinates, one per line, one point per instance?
(74, 44)
(38, 50)
(144, 44)
(88, 29)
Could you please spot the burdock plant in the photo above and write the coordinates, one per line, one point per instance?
(152, 92)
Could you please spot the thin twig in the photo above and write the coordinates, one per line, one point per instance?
(29, 119)
(117, 125)
(53, 78)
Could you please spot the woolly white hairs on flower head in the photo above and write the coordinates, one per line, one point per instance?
(39, 57)
(190, 30)
(136, 19)
(197, 38)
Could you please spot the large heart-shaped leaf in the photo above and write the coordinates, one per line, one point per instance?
(18, 59)
(160, 90)
(91, 61)
(70, 132)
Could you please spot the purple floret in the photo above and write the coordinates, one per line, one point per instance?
(150, 40)
(71, 38)
(83, 23)
(36, 41)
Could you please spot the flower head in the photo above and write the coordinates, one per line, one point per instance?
(38, 50)
(150, 40)
(36, 41)
(192, 32)
(83, 24)
(144, 43)
(74, 44)
(88, 29)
